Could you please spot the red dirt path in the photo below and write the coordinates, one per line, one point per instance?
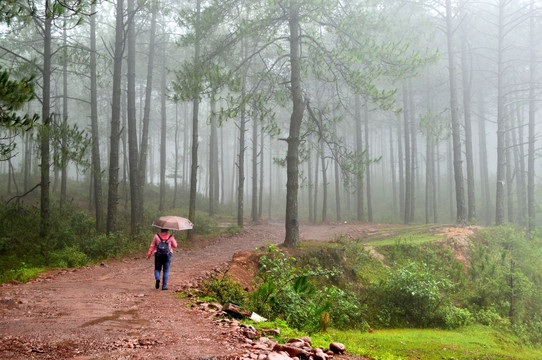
(114, 312)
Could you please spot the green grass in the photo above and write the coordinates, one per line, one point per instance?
(467, 343)
(412, 238)
(472, 342)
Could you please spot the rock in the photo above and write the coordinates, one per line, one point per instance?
(306, 339)
(337, 348)
(291, 350)
(277, 356)
(319, 354)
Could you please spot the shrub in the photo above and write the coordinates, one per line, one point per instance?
(225, 290)
(68, 257)
(411, 296)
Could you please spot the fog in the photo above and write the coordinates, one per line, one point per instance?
(357, 74)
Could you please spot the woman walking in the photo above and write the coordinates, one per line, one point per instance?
(162, 246)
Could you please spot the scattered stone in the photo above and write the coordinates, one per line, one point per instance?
(337, 348)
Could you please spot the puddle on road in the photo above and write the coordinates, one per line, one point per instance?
(128, 318)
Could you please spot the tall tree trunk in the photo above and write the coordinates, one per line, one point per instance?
(469, 156)
(112, 197)
(213, 160)
(310, 187)
(414, 176)
(195, 119)
(241, 158)
(401, 163)
(163, 132)
(393, 176)
(133, 153)
(260, 196)
(509, 179)
(408, 167)
(96, 165)
(254, 209)
(64, 160)
(176, 168)
(519, 161)
(482, 151)
(501, 126)
(144, 148)
(533, 39)
(456, 128)
(292, 157)
(324, 181)
(368, 167)
(45, 115)
(359, 150)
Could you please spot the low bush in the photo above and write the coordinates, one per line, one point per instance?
(224, 290)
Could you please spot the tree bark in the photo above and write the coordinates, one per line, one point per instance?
(532, 120)
(144, 148)
(96, 161)
(292, 156)
(359, 150)
(469, 156)
(501, 124)
(254, 208)
(368, 167)
(324, 180)
(112, 197)
(195, 119)
(163, 133)
(64, 140)
(408, 168)
(456, 128)
(133, 152)
(45, 114)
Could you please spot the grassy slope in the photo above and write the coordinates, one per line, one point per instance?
(471, 342)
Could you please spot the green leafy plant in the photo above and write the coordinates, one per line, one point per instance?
(225, 290)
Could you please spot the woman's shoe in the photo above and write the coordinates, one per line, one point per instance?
(157, 284)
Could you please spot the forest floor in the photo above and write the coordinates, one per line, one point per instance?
(112, 310)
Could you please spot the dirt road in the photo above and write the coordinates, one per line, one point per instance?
(112, 311)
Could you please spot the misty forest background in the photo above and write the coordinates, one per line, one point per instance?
(114, 112)
(289, 111)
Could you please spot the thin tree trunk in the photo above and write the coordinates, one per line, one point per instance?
(466, 77)
(324, 181)
(144, 148)
(241, 159)
(509, 179)
(292, 157)
(414, 176)
(501, 126)
(195, 119)
(408, 168)
(456, 128)
(533, 39)
(359, 150)
(176, 168)
(482, 151)
(64, 161)
(368, 167)
(112, 197)
(254, 209)
(96, 161)
(45, 114)
(400, 161)
(213, 155)
(163, 132)
(310, 187)
(393, 177)
(260, 197)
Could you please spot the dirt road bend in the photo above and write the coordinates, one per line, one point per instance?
(113, 311)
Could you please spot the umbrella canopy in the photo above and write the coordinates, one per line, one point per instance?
(173, 223)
